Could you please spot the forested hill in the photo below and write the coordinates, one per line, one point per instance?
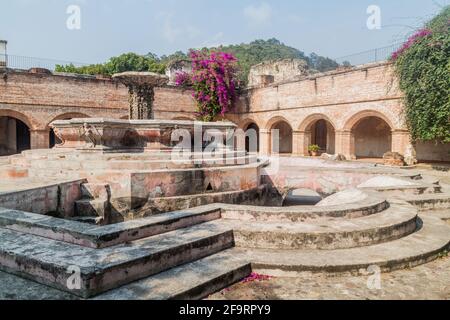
(263, 50)
(248, 55)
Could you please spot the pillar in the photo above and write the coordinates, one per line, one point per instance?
(401, 141)
(264, 142)
(12, 135)
(345, 144)
(301, 141)
(141, 101)
(40, 139)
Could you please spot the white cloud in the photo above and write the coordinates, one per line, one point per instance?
(171, 31)
(258, 14)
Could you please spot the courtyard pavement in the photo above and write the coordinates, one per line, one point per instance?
(426, 282)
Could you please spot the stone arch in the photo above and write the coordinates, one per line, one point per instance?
(30, 122)
(370, 134)
(252, 138)
(52, 139)
(15, 132)
(311, 119)
(285, 135)
(68, 116)
(350, 123)
(269, 125)
(318, 129)
(246, 122)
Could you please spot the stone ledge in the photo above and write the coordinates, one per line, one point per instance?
(421, 247)
(326, 234)
(47, 261)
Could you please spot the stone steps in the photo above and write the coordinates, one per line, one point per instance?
(421, 189)
(168, 204)
(326, 233)
(430, 201)
(192, 281)
(371, 205)
(95, 191)
(49, 261)
(423, 246)
(74, 232)
(92, 208)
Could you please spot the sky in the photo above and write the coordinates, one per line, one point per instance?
(39, 28)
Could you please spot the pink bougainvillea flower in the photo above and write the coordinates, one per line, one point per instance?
(213, 80)
(410, 42)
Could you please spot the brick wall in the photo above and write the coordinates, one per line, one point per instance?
(41, 98)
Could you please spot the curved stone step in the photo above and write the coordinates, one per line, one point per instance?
(430, 201)
(371, 205)
(423, 246)
(326, 234)
(421, 189)
(169, 204)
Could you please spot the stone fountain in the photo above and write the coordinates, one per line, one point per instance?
(141, 133)
(133, 159)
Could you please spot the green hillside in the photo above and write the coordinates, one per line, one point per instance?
(248, 55)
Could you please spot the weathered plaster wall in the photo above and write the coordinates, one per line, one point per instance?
(276, 71)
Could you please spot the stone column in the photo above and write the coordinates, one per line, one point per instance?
(141, 99)
(345, 144)
(401, 141)
(301, 141)
(11, 135)
(264, 142)
(39, 139)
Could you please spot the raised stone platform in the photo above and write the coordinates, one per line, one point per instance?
(177, 240)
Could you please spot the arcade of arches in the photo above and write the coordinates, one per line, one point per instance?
(356, 113)
(14, 136)
(369, 137)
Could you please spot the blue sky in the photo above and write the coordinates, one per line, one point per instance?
(111, 27)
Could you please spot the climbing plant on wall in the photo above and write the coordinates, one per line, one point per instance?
(422, 65)
(214, 82)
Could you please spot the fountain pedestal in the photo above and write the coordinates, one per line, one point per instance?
(141, 92)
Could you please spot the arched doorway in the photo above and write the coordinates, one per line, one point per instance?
(318, 130)
(14, 136)
(372, 138)
(252, 137)
(284, 143)
(323, 135)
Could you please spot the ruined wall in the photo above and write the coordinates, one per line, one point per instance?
(276, 71)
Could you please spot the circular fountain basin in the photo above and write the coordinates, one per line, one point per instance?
(98, 134)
